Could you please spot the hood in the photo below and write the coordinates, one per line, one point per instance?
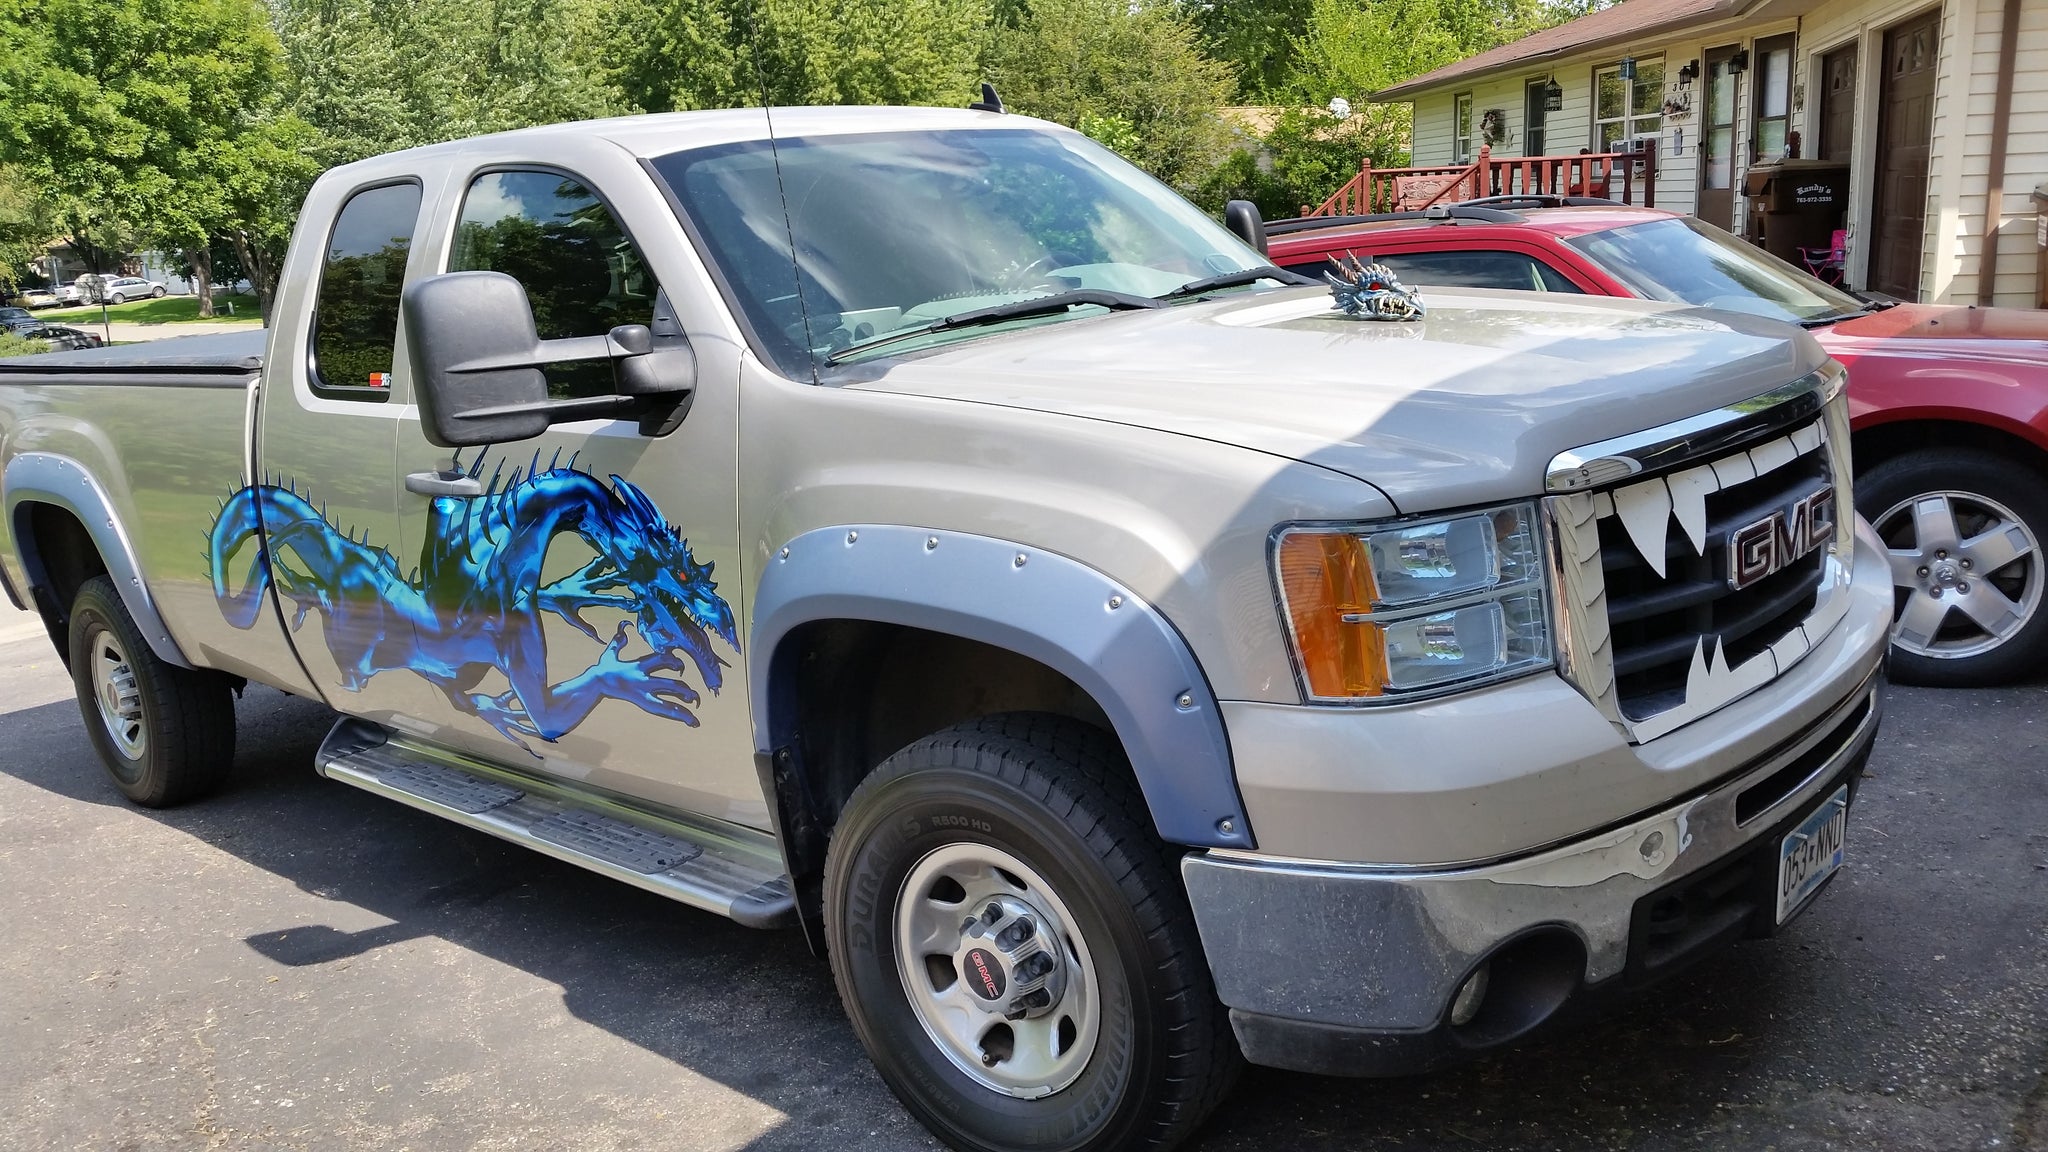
(1465, 407)
(1949, 334)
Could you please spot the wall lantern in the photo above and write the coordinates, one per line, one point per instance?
(1628, 68)
(1687, 73)
(1553, 96)
(1739, 62)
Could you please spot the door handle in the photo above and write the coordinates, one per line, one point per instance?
(449, 483)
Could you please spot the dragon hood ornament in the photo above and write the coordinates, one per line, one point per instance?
(1371, 291)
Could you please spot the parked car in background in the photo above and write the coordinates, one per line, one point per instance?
(1949, 405)
(121, 289)
(19, 322)
(63, 337)
(68, 292)
(39, 298)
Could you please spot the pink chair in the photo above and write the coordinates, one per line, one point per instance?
(1828, 263)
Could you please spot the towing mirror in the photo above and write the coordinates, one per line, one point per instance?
(477, 365)
(1242, 217)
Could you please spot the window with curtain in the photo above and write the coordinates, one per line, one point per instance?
(1461, 131)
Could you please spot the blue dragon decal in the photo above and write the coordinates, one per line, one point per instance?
(477, 600)
(1371, 291)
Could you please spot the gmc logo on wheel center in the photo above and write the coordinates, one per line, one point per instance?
(1758, 549)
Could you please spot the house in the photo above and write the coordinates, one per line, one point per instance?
(1922, 100)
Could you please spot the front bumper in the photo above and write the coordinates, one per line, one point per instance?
(1348, 968)
(1348, 971)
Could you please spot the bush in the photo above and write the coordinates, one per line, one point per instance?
(1305, 156)
(12, 345)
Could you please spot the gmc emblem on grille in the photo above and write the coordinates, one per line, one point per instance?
(1759, 549)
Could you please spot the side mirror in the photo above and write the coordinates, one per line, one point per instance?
(477, 365)
(1242, 217)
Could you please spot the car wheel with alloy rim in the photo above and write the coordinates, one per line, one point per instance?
(1014, 947)
(1964, 532)
(117, 298)
(156, 293)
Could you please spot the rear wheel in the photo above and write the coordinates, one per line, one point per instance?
(117, 298)
(165, 733)
(1965, 532)
(1014, 946)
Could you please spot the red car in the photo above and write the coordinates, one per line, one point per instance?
(1949, 405)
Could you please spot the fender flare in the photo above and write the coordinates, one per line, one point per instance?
(1119, 649)
(47, 478)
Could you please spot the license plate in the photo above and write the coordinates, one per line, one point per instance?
(1811, 853)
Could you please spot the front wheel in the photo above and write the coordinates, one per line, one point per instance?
(165, 733)
(1965, 532)
(1014, 946)
(156, 293)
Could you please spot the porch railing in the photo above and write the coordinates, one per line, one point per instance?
(1629, 177)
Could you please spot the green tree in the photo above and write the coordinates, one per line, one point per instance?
(1140, 63)
(1255, 37)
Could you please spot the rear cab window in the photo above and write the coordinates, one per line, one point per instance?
(355, 315)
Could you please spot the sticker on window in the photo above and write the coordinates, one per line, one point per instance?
(380, 379)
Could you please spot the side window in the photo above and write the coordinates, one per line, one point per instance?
(355, 316)
(1476, 269)
(581, 271)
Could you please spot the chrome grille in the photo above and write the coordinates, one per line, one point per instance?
(1656, 649)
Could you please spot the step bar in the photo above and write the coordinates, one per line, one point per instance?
(719, 868)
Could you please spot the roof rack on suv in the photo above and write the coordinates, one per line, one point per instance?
(1545, 200)
(1443, 213)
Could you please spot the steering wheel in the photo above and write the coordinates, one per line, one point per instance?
(1021, 279)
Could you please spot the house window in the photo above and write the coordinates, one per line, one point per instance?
(1773, 99)
(1624, 109)
(1534, 113)
(1461, 128)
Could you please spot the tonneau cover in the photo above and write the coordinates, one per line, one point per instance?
(223, 352)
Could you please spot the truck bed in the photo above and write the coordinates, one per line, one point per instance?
(221, 360)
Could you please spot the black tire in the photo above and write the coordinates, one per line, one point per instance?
(1981, 480)
(185, 729)
(1055, 795)
(117, 298)
(156, 293)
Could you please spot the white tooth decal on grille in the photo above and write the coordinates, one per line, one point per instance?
(1645, 510)
(1689, 491)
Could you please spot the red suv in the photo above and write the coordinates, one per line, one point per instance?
(1949, 404)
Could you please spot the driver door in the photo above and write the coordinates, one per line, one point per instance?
(581, 602)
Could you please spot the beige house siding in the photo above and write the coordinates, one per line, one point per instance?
(1958, 165)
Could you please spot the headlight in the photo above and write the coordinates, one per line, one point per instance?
(1416, 608)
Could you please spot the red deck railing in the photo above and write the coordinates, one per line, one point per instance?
(1624, 176)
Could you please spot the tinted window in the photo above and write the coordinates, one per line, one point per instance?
(1476, 269)
(582, 274)
(355, 318)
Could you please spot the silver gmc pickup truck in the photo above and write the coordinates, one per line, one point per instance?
(922, 529)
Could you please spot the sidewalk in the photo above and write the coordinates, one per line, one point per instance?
(128, 331)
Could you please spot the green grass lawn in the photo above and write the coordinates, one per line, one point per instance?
(169, 310)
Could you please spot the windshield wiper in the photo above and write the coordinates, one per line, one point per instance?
(1051, 305)
(1237, 279)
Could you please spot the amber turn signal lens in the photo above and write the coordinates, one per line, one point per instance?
(1327, 576)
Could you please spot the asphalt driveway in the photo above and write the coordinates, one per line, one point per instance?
(296, 964)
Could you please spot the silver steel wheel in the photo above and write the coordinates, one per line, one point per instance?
(995, 971)
(119, 699)
(1968, 570)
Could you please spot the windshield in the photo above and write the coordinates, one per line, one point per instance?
(1684, 261)
(898, 230)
